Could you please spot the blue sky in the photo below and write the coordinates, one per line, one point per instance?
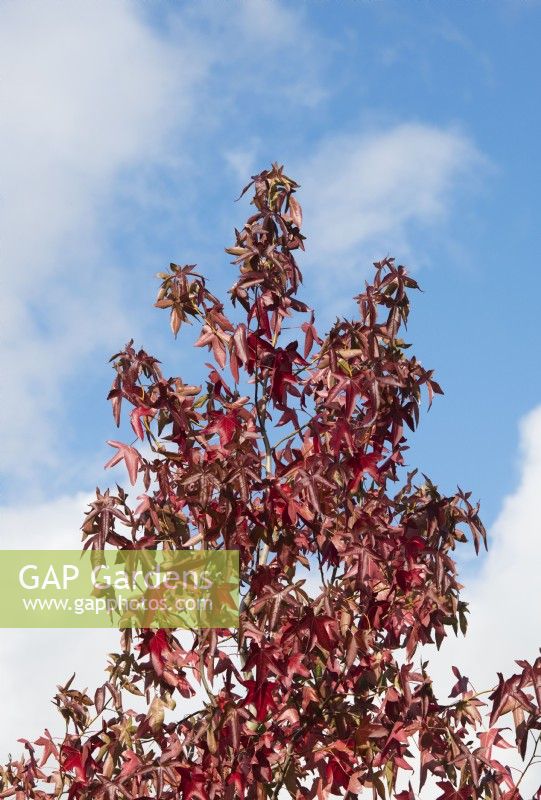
(129, 130)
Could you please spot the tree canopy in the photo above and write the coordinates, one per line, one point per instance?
(293, 453)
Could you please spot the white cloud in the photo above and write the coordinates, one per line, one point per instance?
(241, 162)
(363, 194)
(50, 525)
(88, 92)
(87, 95)
(33, 661)
(505, 596)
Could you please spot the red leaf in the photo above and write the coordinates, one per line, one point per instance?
(261, 696)
(132, 762)
(135, 419)
(158, 645)
(72, 761)
(49, 747)
(295, 211)
(131, 458)
(241, 344)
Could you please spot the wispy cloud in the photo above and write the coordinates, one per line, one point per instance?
(365, 194)
(86, 97)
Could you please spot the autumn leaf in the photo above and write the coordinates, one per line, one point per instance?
(129, 455)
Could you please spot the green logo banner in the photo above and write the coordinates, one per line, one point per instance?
(119, 589)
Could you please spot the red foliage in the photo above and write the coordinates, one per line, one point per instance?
(315, 693)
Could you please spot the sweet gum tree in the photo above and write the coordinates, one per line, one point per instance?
(292, 453)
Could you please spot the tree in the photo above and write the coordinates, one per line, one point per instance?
(312, 695)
